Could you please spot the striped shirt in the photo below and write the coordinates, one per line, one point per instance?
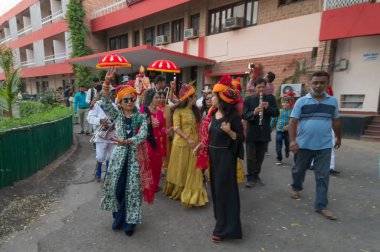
(315, 121)
(282, 120)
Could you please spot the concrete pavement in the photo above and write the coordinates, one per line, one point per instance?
(271, 220)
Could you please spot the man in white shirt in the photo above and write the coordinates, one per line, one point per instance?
(204, 92)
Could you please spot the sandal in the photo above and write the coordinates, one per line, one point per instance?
(327, 214)
(295, 195)
(216, 239)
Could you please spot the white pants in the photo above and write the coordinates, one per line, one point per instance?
(104, 151)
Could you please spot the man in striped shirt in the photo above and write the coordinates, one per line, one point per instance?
(282, 127)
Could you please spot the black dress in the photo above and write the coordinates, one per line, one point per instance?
(223, 153)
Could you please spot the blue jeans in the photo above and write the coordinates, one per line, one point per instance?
(321, 173)
(282, 136)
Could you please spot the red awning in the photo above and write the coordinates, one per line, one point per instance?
(352, 21)
(144, 55)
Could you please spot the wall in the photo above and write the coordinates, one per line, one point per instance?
(361, 77)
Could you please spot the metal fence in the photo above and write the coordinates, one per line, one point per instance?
(26, 150)
(333, 4)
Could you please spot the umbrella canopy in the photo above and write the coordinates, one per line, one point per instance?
(164, 65)
(112, 60)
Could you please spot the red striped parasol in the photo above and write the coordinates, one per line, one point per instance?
(164, 65)
(113, 60)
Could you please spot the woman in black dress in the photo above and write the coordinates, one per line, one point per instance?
(222, 142)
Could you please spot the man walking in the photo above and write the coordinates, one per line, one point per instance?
(257, 111)
(312, 119)
(81, 106)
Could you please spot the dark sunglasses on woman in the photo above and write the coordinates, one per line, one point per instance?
(127, 100)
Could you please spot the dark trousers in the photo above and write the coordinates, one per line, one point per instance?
(282, 136)
(321, 173)
(255, 158)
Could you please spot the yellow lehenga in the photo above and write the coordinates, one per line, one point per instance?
(183, 181)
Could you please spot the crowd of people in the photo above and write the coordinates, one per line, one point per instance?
(164, 133)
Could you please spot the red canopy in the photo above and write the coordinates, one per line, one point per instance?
(112, 60)
(164, 65)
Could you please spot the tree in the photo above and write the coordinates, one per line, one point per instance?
(11, 85)
(78, 34)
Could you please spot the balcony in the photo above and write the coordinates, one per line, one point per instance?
(24, 31)
(55, 58)
(334, 4)
(58, 15)
(108, 8)
(5, 40)
(27, 63)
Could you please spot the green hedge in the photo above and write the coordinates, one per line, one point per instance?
(33, 113)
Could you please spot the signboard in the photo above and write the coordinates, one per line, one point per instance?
(370, 56)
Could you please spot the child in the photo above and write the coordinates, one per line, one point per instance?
(282, 128)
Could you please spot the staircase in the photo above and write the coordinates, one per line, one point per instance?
(372, 133)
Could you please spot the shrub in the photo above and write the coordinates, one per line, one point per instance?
(51, 114)
(28, 108)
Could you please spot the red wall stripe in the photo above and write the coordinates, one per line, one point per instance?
(23, 5)
(353, 21)
(201, 46)
(134, 12)
(53, 69)
(44, 32)
(185, 46)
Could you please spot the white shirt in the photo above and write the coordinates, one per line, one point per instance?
(95, 115)
(199, 102)
(88, 95)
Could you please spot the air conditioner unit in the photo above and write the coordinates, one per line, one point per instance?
(233, 23)
(190, 33)
(162, 40)
(296, 88)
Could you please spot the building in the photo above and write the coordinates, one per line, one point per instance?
(208, 38)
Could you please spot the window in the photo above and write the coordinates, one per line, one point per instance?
(177, 30)
(194, 21)
(136, 38)
(149, 36)
(119, 42)
(246, 10)
(163, 29)
(352, 101)
(284, 2)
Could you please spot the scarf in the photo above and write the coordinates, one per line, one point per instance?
(202, 158)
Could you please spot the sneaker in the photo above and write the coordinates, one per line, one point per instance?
(278, 163)
(81, 132)
(258, 181)
(249, 184)
(334, 172)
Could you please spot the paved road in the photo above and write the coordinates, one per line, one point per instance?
(271, 220)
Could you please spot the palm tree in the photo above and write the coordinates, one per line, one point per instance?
(11, 85)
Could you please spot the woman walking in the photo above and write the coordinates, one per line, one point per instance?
(156, 132)
(222, 145)
(129, 176)
(183, 181)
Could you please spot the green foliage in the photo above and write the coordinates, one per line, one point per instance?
(78, 32)
(50, 96)
(51, 114)
(28, 108)
(11, 85)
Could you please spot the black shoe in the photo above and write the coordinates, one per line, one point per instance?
(258, 181)
(334, 172)
(129, 232)
(87, 133)
(287, 154)
(81, 132)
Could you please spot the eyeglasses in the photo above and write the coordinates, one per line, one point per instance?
(127, 100)
(208, 98)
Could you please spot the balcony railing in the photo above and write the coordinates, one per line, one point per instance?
(54, 17)
(333, 4)
(25, 30)
(5, 40)
(27, 63)
(108, 8)
(55, 58)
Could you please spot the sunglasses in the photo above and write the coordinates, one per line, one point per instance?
(129, 100)
(208, 98)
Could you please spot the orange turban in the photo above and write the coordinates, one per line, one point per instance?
(185, 91)
(236, 84)
(125, 91)
(229, 95)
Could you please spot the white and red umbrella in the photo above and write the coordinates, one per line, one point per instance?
(164, 65)
(112, 60)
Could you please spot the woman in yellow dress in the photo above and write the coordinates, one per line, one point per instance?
(183, 181)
